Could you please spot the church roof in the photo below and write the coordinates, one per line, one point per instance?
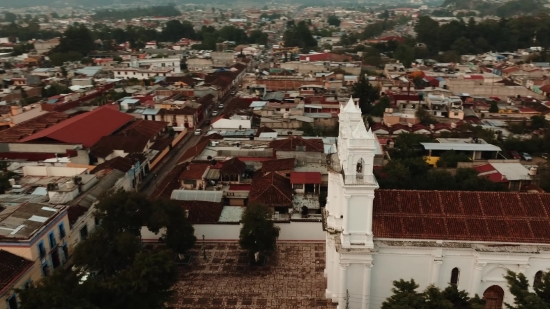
(462, 216)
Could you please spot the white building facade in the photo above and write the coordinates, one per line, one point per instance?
(375, 237)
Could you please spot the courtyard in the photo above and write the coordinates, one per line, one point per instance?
(291, 278)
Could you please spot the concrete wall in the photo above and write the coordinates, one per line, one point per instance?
(35, 112)
(56, 171)
(293, 231)
(232, 124)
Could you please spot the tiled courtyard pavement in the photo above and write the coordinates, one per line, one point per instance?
(291, 278)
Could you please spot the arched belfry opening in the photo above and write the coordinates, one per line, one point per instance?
(360, 168)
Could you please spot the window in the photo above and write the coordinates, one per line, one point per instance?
(456, 113)
(298, 186)
(61, 231)
(41, 250)
(538, 278)
(51, 238)
(84, 232)
(97, 221)
(12, 302)
(455, 274)
(300, 148)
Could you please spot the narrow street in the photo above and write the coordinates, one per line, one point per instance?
(157, 175)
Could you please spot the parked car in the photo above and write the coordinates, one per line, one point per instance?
(198, 132)
(514, 155)
(215, 113)
(545, 155)
(525, 156)
(220, 106)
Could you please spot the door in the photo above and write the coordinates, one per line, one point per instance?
(493, 297)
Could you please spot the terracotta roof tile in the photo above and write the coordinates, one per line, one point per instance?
(194, 171)
(264, 129)
(203, 212)
(86, 128)
(31, 126)
(193, 151)
(272, 190)
(118, 163)
(291, 143)
(462, 216)
(233, 166)
(278, 165)
(11, 268)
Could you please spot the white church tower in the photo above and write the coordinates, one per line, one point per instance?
(348, 212)
(469, 239)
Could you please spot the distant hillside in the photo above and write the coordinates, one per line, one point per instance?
(511, 8)
(461, 4)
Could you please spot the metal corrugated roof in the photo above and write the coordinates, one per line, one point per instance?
(197, 195)
(460, 146)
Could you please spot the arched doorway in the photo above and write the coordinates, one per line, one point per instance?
(493, 297)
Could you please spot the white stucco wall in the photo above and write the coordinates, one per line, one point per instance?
(427, 265)
(294, 231)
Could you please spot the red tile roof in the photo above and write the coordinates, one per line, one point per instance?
(203, 212)
(31, 126)
(233, 166)
(290, 144)
(272, 190)
(193, 151)
(239, 187)
(12, 267)
(278, 165)
(462, 216)
(169, 183)
(305, 177)
(194, 171)
(146, 128)
(118, 163)
(84, 129)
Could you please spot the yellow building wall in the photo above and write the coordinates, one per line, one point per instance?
(33, 274)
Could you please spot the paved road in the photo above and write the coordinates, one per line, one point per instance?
(158, 174)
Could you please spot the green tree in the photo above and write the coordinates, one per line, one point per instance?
(365, 92)
(333, 20)
(463, 46)
(120, 272)
(425, 117)
(179, 234)
(494, 107)
(523, 297)
(379, 108)
(538, 122)
(299, 35)
(450, 159)
(174, 30)
(77, 39)
(405, 54)
(258, 233)
(404, 296)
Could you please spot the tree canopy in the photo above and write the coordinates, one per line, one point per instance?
(299, 35)
(525, 297)
(333, 20)
(258, 232)
(405, 295)
(366, 93)
(113, 268)
(159, 10)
